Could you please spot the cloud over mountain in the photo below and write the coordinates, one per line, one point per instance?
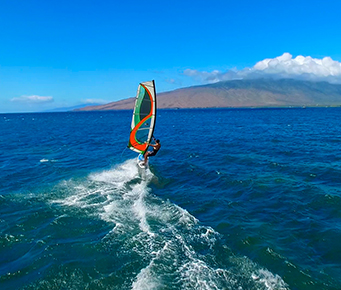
(94, 101)
(284, 66)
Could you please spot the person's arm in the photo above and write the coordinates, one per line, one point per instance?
(150, 144)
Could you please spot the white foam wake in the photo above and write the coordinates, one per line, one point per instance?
(168, 243)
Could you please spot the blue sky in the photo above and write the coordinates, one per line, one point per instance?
(63, 53)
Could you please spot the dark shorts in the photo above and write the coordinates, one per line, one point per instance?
(153, 153)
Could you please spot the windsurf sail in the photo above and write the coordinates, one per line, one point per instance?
(144, 117)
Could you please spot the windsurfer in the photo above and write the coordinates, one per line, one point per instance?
(156, 148)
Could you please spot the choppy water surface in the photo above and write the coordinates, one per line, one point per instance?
(235, 199)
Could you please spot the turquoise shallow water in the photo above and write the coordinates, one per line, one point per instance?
(235, 199)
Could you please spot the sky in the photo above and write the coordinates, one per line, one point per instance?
(57, 54)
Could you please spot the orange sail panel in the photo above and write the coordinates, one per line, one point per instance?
(144, 117)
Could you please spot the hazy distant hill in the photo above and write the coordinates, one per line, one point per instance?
(243, 93)
(73, 108)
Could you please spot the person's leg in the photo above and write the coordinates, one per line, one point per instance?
(145, 157)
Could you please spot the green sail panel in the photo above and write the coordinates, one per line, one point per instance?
(144, 117)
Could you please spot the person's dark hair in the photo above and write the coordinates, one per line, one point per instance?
(158, 141)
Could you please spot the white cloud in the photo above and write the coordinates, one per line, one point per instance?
(173, 81)
(34, 99)
(95, 101)
(213, 76)
(284, 66)
(300, 65)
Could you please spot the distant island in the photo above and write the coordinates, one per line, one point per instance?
(252, 93)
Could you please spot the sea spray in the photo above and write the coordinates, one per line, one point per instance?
(170, 246)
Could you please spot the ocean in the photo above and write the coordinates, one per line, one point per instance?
(235, 199)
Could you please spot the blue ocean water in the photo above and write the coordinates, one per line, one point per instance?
(235, 199)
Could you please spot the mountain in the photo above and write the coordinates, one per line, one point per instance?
(243, 94)
(74, 108)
